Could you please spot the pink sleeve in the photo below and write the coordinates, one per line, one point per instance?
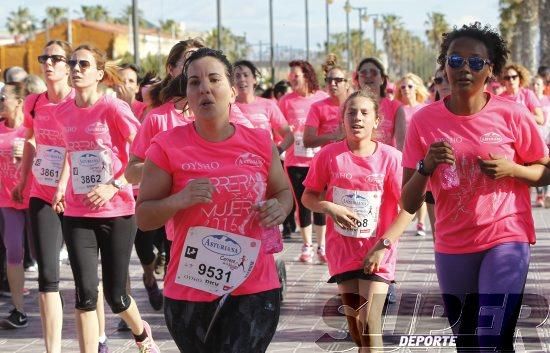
(157, 155)
(528, 143)
(142, 141)
(395, 175)
(28, 106)
(414, 150)
(532, 101)
(276, 116)
(125, 120)
(317, 176)
(313, 116)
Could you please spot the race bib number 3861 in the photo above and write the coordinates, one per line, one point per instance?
(216, 261)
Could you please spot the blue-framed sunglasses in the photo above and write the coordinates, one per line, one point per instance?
(474, 62)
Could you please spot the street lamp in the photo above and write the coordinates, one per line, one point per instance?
(375, 17)
(307, 30)
(327, 5)
(219, 13)
(362, 17)
(348, 8)
(271, 43)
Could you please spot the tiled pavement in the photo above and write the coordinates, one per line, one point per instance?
(302, 324)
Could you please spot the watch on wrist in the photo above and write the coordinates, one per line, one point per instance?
(386, 243)
(420, 168)
(117, 184)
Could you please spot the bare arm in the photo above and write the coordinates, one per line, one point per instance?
(134, 170)
(400, 127)
(539, 116)
(312, 140)
(288, 138)
(26, 165)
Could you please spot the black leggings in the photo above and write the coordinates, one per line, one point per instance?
(246, 323)
(297, 176)
(47, 235)
(114, 237)
(145, 243)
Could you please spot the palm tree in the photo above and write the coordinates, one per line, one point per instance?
(170, 26)
(126, 15)
(390, 25)
(437, 26)
(544, 31)
(528, 12)
(56, 15)
(509, 14)
(235, 47)
(95, 13)
(21, 23)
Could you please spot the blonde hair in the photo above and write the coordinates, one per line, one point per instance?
(330, 63)
(110, 68)
(523, 73)
(34, 84)
(421, 92)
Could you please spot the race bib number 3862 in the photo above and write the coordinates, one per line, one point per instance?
(90, 168)
(216, 261)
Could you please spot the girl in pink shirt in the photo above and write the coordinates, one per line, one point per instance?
(97, 201)
(12, 140)
(462, 146)
(223, 185)
(357, 182)
(543, 193)
(295, 106)
(372, 74)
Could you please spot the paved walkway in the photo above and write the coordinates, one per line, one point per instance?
(308, 296)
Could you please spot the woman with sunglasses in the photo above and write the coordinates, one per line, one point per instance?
(516, 79)
(12, 139)
(371, 74)
(223, 185)
(97, 201)
(295, 107)
(459, 146)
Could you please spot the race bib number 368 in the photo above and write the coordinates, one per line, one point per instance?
(365, 204)
(216, 261)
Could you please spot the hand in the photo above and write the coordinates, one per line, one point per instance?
(338, 134)
(271, 212)
(100, 195)
(125, 94)
(58, 201)
(17, 192)
(374, 258)
(342, 216)
(497, 167)
(196, 191)
(439, 152)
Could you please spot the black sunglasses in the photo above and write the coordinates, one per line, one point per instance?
(474, 62)
(438, 80)
(407, 86)
(84, 64)
(337, 80)
(55, 58)
(510, 77)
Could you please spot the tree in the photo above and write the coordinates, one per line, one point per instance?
(170, 26)
(509, 13)
(21, 23)
(528, 12)
(234, 47)
(56, 15)
(391, 24)
(95, 13)
(544, 31)
(127, 14)
(437, 26)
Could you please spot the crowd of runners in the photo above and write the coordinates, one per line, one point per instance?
(205, 174)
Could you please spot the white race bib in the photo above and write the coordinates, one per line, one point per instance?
(365, 204)
(300, 150)
(48, 164)
(216, 261)
(90, 168)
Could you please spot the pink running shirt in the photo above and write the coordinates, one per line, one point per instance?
(480, 213)
(295, 108)
(138, 108)
(239, 176)
(264, 114)
(324, 116)
(376, 177)
(47, 134)
(385, 132)
(409, 112)
(97, 137)
(10, 171)
(526, 97)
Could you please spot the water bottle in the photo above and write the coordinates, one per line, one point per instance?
(449, 176)
(272, 241)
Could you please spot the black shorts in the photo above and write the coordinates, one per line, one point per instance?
(430, 198)
(356, 274)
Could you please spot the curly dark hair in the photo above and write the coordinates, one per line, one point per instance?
(496, 46)
(309, 74)
(246, 63)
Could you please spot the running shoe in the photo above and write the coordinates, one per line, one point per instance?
(102, 347)
(307, 253)
(321, 255)
(148, 345)
(154, 294)
(420, 231)
(540, 201)
(31, 268)
(547, 201)
(16, 320)
(160, 262)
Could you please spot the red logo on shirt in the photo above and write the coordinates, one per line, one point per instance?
(97, 128)
(249, 159)
(490, 137)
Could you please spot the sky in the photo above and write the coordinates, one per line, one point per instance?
(251, 17)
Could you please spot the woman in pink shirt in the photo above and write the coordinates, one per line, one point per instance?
(12, 140)
(516, 80)
(371, 74)
(461, 146)
(357, 182)
(224, 187)
(97, 201)
(543, 193)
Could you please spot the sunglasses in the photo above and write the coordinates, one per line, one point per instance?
(475, 63)
(84, 64)
(336, 80)
(407, 86)
(438, 80)
(510, 77)
(55, 58)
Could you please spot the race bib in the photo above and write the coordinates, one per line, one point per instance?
(48, 164)
(216, 261)
(365, 204)
(90, 168)
(300, 150)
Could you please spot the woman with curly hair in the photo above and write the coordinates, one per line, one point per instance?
(516, 79)
(462, 146)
